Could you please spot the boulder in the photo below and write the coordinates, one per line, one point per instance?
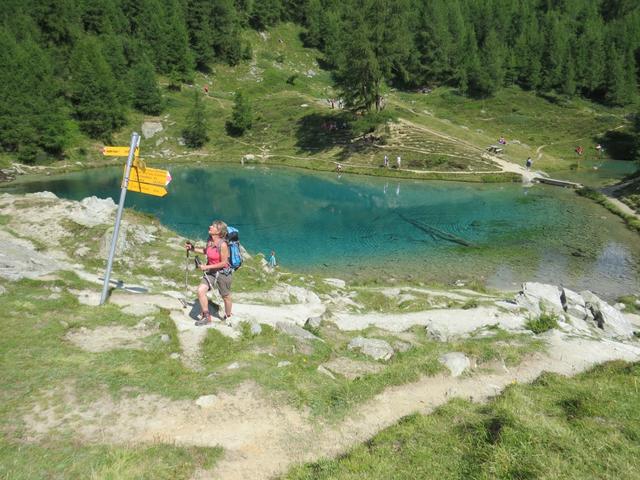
(295, 331)
(400, 346)
(456, 362)
(149, 129)
(350, 368)
(611, 321)
(574, 304)
(536, 297)
(372, 347)
(313, 322)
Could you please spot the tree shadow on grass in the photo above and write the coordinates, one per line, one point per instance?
(318, 132)
(619, 145)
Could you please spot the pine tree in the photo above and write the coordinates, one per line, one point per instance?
(265, 13)
(32, 121)
(146, 94)
(179, 59)
(225, 27)
(358, 75)
(241, 116)
(620, 85)
(93, 90)
(195, 132)
(197, 17)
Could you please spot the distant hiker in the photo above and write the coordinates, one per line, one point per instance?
(399, 161)
(272, 260)
(339, 167)
(502, 141)
(579, 150)
(599, 149)
(386, 161)
(206, 89)
(529, 163)
(217, 271)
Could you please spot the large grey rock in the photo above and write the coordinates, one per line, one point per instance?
(611, 321)
(313, 322)
(456, 362)
(95, 211)
(574, 304)
(149, 129)
(350, 368)
(372, 347)
(537, 297)
(295, 331)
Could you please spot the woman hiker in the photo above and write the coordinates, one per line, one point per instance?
(217, 271)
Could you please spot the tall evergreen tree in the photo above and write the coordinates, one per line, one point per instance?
(179, 61)
(195, 131)
(265, 13)
(225, 27)
(93, 90)
(358, 76)
(32, 117)
(241, 115)
(146, 94)
(200, 35)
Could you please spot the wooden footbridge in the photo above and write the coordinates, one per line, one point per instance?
(556, 182)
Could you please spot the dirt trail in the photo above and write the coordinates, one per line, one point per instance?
(263, 437)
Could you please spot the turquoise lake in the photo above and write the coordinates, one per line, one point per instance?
(368, 227)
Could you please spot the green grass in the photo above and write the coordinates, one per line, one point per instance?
(631, 221)
(70, 459)
(556, 428)
(546, 321)
(442, 131)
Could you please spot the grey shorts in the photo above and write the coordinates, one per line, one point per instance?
(223, 283)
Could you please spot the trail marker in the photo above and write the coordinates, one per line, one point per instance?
(109, 151)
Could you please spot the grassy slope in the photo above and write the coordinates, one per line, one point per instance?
(289, 117)
(557, 428)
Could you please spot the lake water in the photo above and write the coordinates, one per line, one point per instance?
(364, 227)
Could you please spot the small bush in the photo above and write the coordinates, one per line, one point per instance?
(546, 321)
(471, 303)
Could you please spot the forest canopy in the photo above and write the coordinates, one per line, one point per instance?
(72, 65)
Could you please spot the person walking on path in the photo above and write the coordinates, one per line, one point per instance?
(272, 260)
(217, 271)
(529, 163)
(386, 161)
(399, 162)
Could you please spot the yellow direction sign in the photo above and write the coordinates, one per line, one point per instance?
(117, 151)
(151, 181)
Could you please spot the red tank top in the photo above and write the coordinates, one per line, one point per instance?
(213, 254)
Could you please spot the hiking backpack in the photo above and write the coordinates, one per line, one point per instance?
(235, 256)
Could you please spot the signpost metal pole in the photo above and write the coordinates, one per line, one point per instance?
(135, 141)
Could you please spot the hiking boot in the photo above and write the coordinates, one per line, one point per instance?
(205, 319)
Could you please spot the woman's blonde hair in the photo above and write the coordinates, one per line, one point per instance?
(222, 227)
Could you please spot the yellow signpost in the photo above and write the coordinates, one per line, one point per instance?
(151, 181)
(109, 151)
